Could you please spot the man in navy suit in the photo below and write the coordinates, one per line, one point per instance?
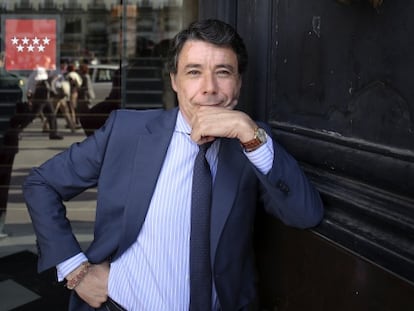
(142, 161)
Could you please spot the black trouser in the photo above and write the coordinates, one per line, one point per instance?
(42, 103)
(111, 305)
(46, 107)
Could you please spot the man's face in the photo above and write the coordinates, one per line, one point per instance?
(207, 75)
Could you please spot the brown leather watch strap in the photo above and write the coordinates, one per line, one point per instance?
(254, 143)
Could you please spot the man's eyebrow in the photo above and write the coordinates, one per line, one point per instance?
(188, 66)
(226, 66)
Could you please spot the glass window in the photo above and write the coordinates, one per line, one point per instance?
(120, 47)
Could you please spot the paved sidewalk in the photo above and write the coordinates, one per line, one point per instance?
(20, 286)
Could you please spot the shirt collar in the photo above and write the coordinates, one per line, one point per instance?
(181, 125)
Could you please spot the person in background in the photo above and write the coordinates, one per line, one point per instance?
(38, 91)
(93, 118)
(59, 96)
(75, 82)
(86, 92)
(11, 93)
(93, 59)
(166, 239)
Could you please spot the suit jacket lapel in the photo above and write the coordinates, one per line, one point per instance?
(229, 170)
(149, 156)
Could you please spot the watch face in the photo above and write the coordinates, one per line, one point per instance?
(259, 139)
(261, 135)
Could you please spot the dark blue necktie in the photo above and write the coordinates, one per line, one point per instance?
(200, 268)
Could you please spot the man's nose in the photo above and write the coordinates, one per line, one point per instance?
(209, 84)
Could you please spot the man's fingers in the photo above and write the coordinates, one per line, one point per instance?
(93, 288)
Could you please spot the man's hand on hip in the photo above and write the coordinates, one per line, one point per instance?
(93, 288)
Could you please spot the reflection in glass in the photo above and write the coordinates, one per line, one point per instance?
(124, 44)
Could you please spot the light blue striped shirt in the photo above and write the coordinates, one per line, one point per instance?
(153, 274)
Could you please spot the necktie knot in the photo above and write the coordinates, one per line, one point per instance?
(204, 147)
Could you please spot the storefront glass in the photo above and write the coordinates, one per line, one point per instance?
(122, 45)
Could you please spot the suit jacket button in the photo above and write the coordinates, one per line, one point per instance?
(283, 187)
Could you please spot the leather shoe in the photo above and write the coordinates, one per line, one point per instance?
(55, 137)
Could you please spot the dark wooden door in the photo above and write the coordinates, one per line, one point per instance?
(334, 79)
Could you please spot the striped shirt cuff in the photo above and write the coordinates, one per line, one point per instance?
(66, 267)
(262, 157)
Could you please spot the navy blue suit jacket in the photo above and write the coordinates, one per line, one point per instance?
(123, 160)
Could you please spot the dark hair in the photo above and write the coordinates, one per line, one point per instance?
(71, 67)
(83, 68)
(212, 31)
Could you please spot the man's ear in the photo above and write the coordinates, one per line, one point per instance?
(173, 85)
(239, 85)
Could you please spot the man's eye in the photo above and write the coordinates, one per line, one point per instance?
(193, 72)
(223, 73)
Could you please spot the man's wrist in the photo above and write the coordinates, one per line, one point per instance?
(76, 276)
(259, 139)
(69, 265)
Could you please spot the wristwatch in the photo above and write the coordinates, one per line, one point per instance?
(259, 139)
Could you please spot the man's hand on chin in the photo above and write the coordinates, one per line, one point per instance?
(210, 122)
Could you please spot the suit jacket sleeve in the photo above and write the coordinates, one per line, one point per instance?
(288, 194)
(57, 180)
